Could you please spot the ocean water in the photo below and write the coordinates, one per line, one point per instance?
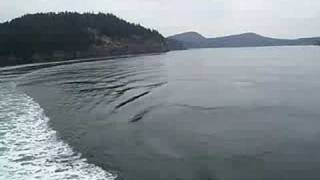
(207, 114)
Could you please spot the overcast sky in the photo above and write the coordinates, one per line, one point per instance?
(277, 18)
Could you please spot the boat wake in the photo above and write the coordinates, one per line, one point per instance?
(30, 149)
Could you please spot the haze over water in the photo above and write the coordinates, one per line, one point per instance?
(218, 114)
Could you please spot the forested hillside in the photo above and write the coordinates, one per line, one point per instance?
(60, 36)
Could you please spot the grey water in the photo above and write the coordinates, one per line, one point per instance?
(207, 114)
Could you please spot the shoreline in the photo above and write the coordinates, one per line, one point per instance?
(80, 60)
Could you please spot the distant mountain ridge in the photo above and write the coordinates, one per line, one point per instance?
(190, 39)
(196, 40)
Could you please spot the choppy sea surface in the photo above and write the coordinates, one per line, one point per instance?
(208, 114)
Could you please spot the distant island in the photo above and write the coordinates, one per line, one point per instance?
(46, 37)
(196, 40)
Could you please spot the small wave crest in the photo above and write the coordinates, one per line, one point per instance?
(30, 149)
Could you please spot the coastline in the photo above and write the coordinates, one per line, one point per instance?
(71, 61)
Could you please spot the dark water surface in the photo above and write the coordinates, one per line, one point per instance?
(209, 114)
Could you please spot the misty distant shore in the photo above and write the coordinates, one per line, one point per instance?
(196, 40)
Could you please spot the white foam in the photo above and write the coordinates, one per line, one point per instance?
(29, 148)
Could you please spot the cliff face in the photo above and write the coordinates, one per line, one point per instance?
(104, 45)
(64, 36)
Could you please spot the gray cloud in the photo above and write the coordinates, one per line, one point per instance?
(278, 18)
